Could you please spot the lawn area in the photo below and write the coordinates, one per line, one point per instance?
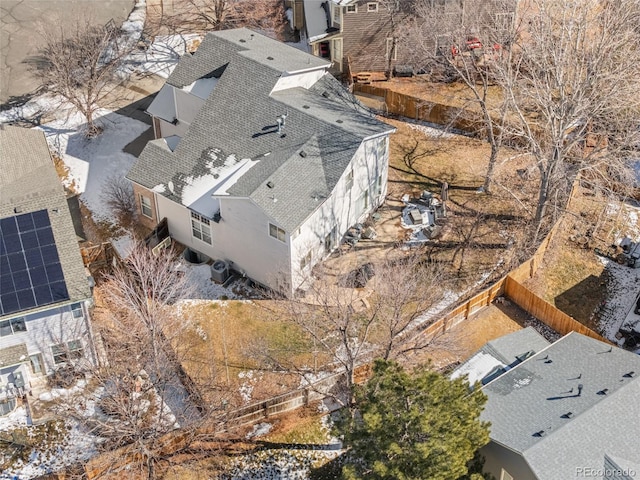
(237, 345)
(482, 230)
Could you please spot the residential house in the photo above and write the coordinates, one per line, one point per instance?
(366, 35)
(44, 290)
(567, 410)
(261, 158)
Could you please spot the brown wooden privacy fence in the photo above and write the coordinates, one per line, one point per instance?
(420, 109)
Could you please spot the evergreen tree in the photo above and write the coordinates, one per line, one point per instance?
(412, 426)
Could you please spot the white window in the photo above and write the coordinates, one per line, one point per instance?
(76, 309)
(336, 13)
(364, 200)
(145, 206)
(12, 326)
(504, 22)
(352, 8)
(64, 352)
(382, 147)
(201, 227)
(349, 180)
(305, 261)
(277, 232)
(37, 364)
(372, 7)
(392, 50)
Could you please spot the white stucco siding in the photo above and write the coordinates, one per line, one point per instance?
(345, 207)
(247, 243)
(241, 237)
(51, 327)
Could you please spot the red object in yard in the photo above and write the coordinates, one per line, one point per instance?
(454, 50)
(473, 43)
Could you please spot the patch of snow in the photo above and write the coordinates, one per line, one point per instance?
(161, 57)
(627, 216)
(124, 244)
(259, 430)
(477, 367)
(431, 130)
(93, 162)
(200, 283)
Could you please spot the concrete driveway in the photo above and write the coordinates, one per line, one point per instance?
(19, 22)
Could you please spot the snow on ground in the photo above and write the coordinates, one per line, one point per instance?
(259, 430)
(201, 285)
(431, 130)
(623, 286)
(162, 55)
(93, 162)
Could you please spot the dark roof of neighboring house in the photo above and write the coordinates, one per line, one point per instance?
(239, 119)
(567, 406)
(29, 183)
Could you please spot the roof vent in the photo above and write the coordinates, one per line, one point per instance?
(604, 391)
(303, 154)
(567, 415)
(242, 40)
(548, 361)
(306, 107)
(269, 58)
(325, 94)
(539, 434)
(17, 210)
(339, 121)
(270, 184)
(629, 374)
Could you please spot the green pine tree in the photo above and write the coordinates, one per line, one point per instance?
(412, 426)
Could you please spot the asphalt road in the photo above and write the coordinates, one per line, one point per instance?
(19, 24)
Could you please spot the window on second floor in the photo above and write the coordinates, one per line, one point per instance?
(12, 326)
(336, 13)
(305, 261)
(76, 309)
(372, 7)
(145, 206)
(352, 8)
(277, 232)
(349, 180)
(201, 227)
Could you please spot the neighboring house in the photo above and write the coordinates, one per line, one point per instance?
(44, 289)
(262, 158)
(364, 35)
(569, 410)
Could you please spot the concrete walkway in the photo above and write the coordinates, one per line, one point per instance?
(20, 21)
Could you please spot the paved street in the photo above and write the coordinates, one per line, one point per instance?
(19, 22)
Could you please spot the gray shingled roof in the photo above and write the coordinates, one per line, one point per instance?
(567, 406)
(508, 347)
(239, 118)
(28, 180)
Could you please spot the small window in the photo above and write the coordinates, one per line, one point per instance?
(277, 232)
(349, 180)
(13, 326)
(379, 185)
(37, 364)
(145, 206)
(305, 261)
(76, 309)
(352, 8)
(336, 13)
(364, 200)
(372, 7)
(201, 227)
(64, 352)
(392, 50)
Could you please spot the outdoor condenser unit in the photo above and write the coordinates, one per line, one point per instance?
(220, 271)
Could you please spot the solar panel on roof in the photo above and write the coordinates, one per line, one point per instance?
(30, 270)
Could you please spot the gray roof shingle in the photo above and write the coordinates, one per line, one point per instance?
(29, 182)
(567, 406)
(239, 118)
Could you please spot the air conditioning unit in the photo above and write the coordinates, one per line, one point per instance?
(220, 271)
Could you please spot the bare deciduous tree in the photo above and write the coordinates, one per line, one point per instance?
(118, 196)
(573, 84)
(206, 15)
(456, 42)
(349, 327)
(80, 64)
